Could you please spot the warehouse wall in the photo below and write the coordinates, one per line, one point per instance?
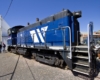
(3, 31)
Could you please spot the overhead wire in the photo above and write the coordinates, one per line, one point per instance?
(8, 8)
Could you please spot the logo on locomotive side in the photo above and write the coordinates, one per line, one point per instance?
(41, 34)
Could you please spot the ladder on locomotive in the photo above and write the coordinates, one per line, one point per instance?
(82, 60)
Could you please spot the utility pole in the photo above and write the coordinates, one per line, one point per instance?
(0, 28)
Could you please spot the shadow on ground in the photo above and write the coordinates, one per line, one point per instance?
(12, 74)
(85, 77)
(74, 73)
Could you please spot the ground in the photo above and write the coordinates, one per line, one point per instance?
(15, 67)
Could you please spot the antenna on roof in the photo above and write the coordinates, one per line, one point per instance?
(28, 23)
(37, 19)
(63, 9)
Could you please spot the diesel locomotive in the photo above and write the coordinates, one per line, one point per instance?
(55, 40)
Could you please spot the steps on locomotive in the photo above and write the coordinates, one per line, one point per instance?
(81, 48)
(81, 69)
(81, 65)
(80, 60)
(81, 57)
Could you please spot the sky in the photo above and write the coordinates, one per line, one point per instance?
(23, 11)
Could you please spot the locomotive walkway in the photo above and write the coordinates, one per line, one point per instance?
(15, 67)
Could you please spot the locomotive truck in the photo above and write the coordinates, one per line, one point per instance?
(55, 40)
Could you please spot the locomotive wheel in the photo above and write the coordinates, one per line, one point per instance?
(9, 49)
(15, 52)
(26, 54)
(96, 72)
(66, 67)
(57, 62)
(61, 63)
(91, 72)
(34, 55)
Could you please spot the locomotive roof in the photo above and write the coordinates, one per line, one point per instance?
(18, 26)
(48, 19)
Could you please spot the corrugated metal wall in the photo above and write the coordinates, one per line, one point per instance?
(3, 31)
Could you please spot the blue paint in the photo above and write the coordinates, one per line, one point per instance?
(53, 37)
(13, 40)
(73, 29)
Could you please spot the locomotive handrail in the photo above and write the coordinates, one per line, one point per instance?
(89, 36)
(77, 36)
(70, 40)
(88, 43)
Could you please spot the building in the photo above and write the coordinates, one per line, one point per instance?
(3, 31)
(96, 36)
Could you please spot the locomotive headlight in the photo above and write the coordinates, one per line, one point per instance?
(77, 14)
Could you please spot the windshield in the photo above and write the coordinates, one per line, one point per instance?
(9, 31)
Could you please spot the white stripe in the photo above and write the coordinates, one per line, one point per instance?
(24, 45)
(34, 36)
(21, 45)
(40, 35)
(13, 45)
(32, 46)
(55, 47)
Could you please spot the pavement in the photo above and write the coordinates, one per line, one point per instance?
(16, 67)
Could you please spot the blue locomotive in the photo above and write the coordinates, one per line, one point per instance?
(54, 40)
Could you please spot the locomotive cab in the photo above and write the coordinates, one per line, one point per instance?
(12, 33)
